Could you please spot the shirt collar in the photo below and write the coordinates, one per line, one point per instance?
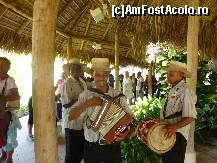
(178, 85)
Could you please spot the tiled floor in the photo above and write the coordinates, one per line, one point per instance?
(24, 153)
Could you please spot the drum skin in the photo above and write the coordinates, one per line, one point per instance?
(151, 133)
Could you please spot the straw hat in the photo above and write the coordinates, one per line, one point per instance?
(75, 61)
(178, 66)
(100, 64)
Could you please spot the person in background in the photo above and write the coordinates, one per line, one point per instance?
(121, 78)
(74, 136)
(128, 87)
(134, 82)
(30, 136)
(179, 111)
(10, 94)
(140, 86)
(111, 80)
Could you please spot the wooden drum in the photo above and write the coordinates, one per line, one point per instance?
(151, 133)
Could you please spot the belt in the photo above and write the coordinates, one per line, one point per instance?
(101, 143)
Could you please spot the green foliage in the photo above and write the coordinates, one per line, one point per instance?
(23, 110)
(206, 90)
(133, 150)
(206, 123)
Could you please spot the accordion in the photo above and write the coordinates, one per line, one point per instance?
(111, 120)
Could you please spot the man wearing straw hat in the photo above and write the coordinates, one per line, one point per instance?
(70, 91)
(88, 102)
(179, 111)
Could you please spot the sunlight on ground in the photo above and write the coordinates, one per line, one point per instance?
(21, 71)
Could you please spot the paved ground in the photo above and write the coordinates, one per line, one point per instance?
(24, 153)
(207, 153)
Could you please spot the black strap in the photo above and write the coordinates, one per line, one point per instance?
(175, 115)
(101, 93)
(4, 88)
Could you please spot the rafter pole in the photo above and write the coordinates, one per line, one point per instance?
(77, 16)
(27, 1)
(64, 7)
(58, 30)
(20, 30)
(3, 9)
(86, 30)
(69, 49)
(109, 26)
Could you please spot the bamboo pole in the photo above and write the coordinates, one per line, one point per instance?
(117, 53)
(43, 55)
(69, 49)
(192, 64)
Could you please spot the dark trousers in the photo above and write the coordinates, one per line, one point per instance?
(177, 153)
(74, 145)
(95, 153)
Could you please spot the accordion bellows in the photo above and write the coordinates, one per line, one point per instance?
(110, 120)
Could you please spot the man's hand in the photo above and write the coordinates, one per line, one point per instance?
(122, 135)
(170, 130)
(95, 101)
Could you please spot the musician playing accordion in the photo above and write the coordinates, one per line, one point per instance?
(96, 150)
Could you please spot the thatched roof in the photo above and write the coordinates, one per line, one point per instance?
(74, 20)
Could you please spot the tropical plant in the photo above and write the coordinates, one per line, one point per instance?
(133, 150)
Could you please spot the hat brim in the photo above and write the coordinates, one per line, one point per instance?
(187, 74)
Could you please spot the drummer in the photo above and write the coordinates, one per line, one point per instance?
(94, 150)
(179, 111)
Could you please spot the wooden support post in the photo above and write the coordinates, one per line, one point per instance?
(150, 79)
(43, 55)
(69, 49)
(192, 64)
(117, 53)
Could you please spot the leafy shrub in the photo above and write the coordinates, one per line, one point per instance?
(133, 150)
(23, 111)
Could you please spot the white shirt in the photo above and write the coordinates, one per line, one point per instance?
(140, 80)
(127, 84)
(70, 91)
(9, 85)
(89, 134)
(11, 105)
(180, 98)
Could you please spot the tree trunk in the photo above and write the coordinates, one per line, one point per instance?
(43, 55)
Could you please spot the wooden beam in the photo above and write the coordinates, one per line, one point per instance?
(58, 30)
(15, 9)
(86, 30)
(77, 16)
(43, 55)
(109, 26)
(3, 10)
(69, 49)
(20, 30)
(64, 7)
(27, 1)
(117, 54)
